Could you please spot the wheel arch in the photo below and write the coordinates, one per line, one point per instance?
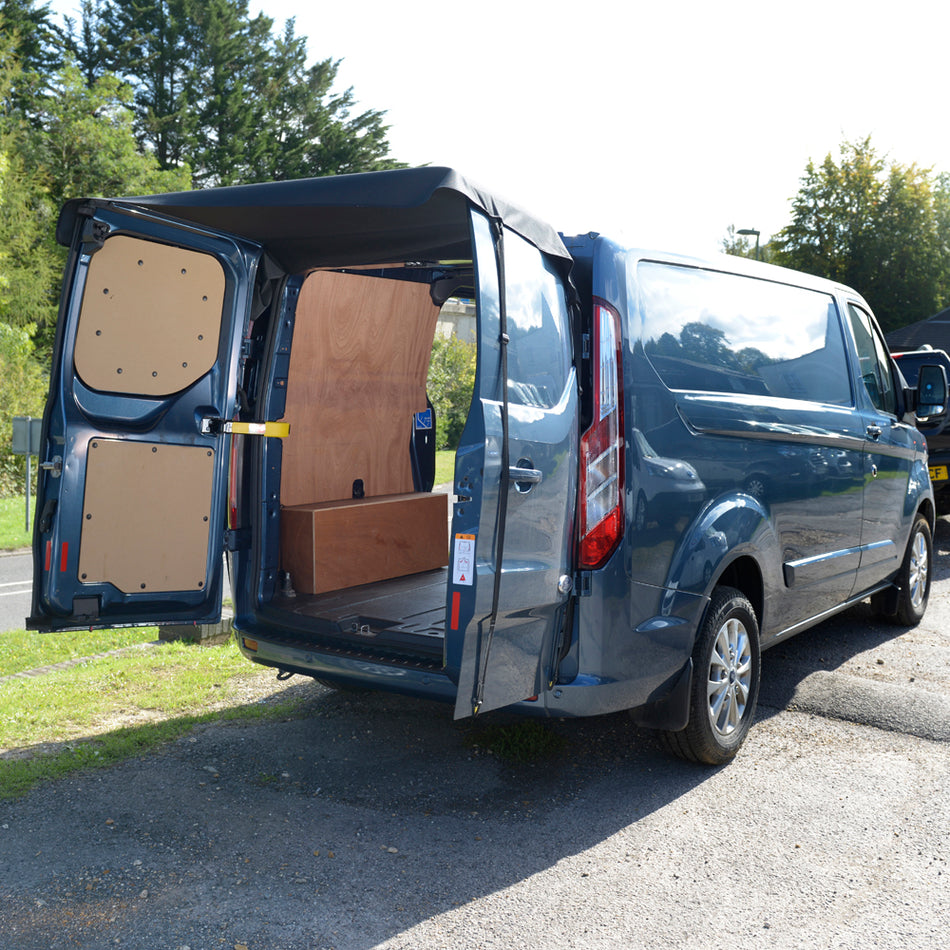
(732, 539)
(928, 509)
(744, 575)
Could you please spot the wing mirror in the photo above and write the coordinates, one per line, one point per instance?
(931, 393)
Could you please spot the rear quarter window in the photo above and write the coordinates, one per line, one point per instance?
(715, 332)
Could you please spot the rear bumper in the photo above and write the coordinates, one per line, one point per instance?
(351, 669)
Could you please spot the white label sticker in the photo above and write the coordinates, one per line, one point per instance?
(463, 560)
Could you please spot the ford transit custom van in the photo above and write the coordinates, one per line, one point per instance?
(668, 464)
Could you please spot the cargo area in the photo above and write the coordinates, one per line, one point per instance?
(364, 539)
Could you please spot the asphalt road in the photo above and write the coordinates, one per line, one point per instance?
(16, 585)
(374, 822)
(16, 591)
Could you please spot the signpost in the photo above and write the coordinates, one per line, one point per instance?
(27, 433)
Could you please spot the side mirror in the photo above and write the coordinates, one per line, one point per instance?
(931, 393)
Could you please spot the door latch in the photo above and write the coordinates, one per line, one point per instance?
(55, 468)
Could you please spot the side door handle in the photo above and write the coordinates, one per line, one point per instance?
(524, 476)
(874, 432)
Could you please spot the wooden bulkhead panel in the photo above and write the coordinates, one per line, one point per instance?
(357, 375)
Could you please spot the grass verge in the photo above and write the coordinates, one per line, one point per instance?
(111, 708)
(444, 466)
(28, 650)
(13, 533)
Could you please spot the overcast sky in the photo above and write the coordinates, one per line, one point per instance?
(660, 122)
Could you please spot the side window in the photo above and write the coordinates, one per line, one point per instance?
(539, 348)
(715, 332)
(874, 361)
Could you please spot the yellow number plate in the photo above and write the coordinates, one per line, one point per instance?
(938, 473)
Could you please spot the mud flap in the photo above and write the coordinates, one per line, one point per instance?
(671, 713)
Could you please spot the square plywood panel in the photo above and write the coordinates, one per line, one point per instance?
(146, 516)
(150, 319)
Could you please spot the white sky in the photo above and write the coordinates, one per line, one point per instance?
(661, 122)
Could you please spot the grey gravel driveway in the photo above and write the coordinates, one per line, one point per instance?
(373, 822)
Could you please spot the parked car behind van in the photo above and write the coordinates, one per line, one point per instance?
(669, 464)
(934, 431)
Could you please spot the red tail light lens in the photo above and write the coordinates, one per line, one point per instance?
(602, 448)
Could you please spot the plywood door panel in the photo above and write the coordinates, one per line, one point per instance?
(357, 374)
(146, 512)
(150, 318)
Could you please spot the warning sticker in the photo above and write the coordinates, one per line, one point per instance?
(423, 420)
(463, 560)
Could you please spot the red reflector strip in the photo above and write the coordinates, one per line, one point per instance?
(64, 557)
(49, 555)
(456, 601)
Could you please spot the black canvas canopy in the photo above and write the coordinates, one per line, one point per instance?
(375, 217)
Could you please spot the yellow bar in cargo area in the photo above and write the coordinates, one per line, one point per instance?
(277, 430)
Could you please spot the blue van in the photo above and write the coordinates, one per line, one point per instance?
(668, 464)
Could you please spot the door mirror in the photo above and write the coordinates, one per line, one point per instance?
(931, 393)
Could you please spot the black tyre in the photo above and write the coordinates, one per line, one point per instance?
(913, 579)
(725, 687)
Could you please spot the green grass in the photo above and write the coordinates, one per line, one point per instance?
(444, 466)
(107, 709)
(27, 650)
(12, 514)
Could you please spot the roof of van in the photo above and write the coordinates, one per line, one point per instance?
(398, 215)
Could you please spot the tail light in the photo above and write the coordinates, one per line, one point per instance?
(601, 477)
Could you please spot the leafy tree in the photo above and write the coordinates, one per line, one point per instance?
(220, 92)
(30, 265)
(86, 148)
(153, 43)
(25, 280)
(28, 262)
(307, 129)
(227, 109)
(87, 42)
(89, 147)
(449, 387)
(22, 393)
(879, 227)
(33, 43)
